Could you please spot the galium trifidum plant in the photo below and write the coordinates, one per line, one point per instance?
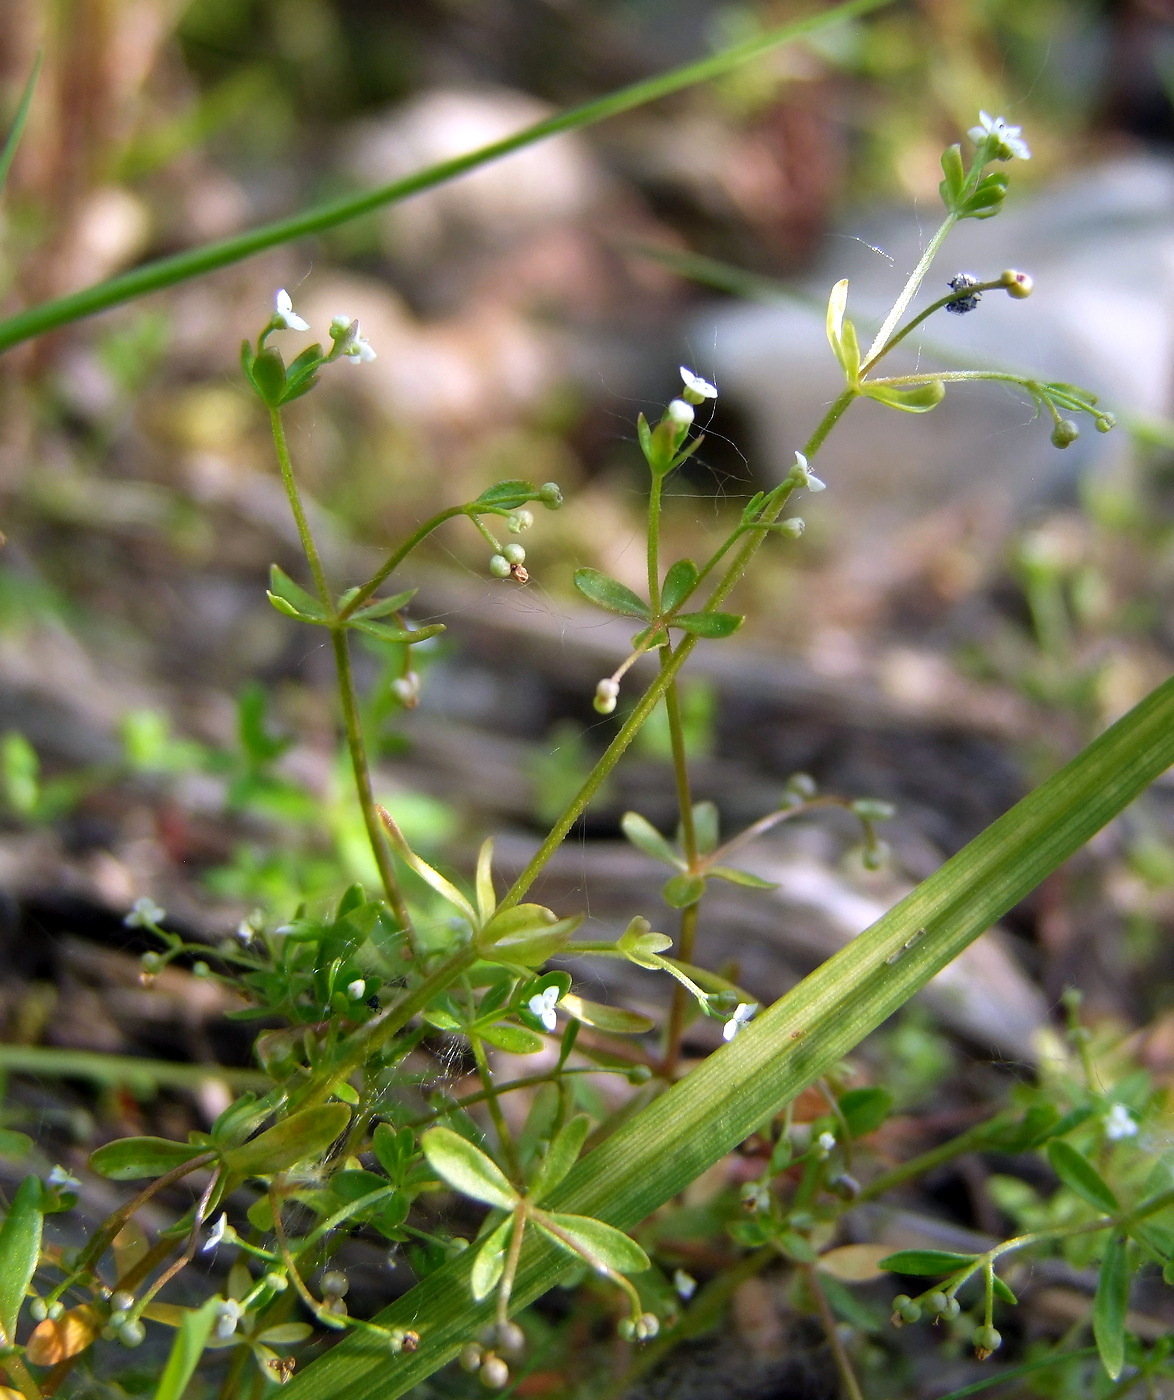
(355, 997)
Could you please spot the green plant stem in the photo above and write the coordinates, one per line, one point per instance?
(362, 772)
(956, 376)
(167, 272)
(969, 1141)
(827, 1318)
(647, 702)
(309, 548)
(504, 1136)
(397, 557)
(375, 1034)
(921, 316)
(13, 1363)
(909, 291)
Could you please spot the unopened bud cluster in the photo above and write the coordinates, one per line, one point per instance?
(639, 1329)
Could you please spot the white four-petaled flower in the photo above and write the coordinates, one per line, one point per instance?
(60, 1177)
(804, 476)
(345, 334)
(1119, 1123)
(542, 1005)
(1005, 141)
(284, 314)
(743, 1012)
(696, 387)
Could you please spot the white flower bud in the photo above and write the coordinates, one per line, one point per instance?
(356, 989)
(606, 694)
(680, 412)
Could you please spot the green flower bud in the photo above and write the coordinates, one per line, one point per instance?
(1018, 284)
(514, 554)
(335, 1284)
(986, 1340)
(201, 969)
(937, 1302)
(647, 1326)
(133, 1334)
(520, 520)
(470, 1357)
(499, 566)
(626, 1329)
(792, 528)
(152, 963)
(122, 1301)
(55, 1310)
(1065, 433)
(38, 1310)
(550, 495)
(606, 693)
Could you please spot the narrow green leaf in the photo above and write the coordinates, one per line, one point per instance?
(389, 632)
(515, 1040)
(683, 890)
(609, 593)
(16, 130)
(523, 933)
(837, 303)
(644, 433)
(1002, 1291)
(1079, 1175)
(617, 1020)
(301, 1138)
(1111, 1305)
(865, 1110)
(850, 352)
(955, 172)
(445, 888)
(927, 1262)
(20, 1249)
(706, 826)
(740, 877)
(268, 375)
(186, 1351)
(679, 582)
(561, 1156)
(645, 837)
(490, 1260)
(299, 603)
(709, 624)
(130, 1159)
(598, 1243)
(381, 606)
(919, 399)
(483, 883)
(467, 1169)
(507, 494)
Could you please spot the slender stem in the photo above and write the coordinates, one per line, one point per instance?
(375, 1034)
(504, 1136)
(827, 1317)
(654, 495)
(510, 1270)
(645, 705)
(909, 291)
(956, 376)
(921, 316)
(309, 548)
(680, 1002)
(973, 1138)
(689, 915)
(527, 1082)
(397, 557)
(13, 1363)
(362, 771)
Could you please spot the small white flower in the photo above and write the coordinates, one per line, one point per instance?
(680, 413)
(228, 1313)
(406, 690)
(216, 1234)
(145, 913)
(345, 334)
(356, 989)
(542, 1005)
(1119, 1123)
(60, 1177)
(755, 1196)
(696, 388)
(824, 1144)
(743, 1012)
(1005, 141)
(285, 314)
(685, 1284)
(803, 476)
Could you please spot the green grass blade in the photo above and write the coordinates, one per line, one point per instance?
(17, 129)
(166, 272)
(656, 1154)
